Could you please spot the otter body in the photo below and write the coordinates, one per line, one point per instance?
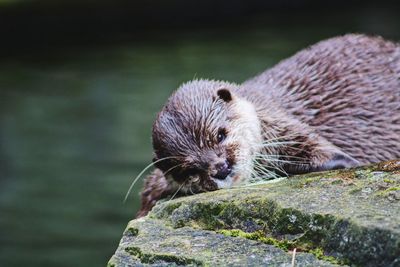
(333, 105)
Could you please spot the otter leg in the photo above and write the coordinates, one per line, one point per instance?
(155, 188)
(337, 161)
(318, 154)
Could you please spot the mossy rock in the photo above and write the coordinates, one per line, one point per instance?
(339, 217)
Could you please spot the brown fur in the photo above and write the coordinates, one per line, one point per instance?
(346, 89)
(155, 188)
(333, 105)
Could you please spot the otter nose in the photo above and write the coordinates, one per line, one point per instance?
(223, 169)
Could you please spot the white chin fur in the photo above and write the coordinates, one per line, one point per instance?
(225, 183)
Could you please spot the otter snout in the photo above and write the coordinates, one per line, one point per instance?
(221, 170)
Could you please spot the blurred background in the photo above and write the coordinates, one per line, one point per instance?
(82, 81)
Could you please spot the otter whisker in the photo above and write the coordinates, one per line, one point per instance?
(265, 176)
(283, 137)
(264, 167)
(290, 157)
(273, 175)
(251, 186)
(142, 172)
(260, 173)
(281, 157)
(262, 177)
(176, 192)
(170, 169)
(193, 180)
(268, 143)
(263, 171)
(276, 146)
(274, 163)
(190, 189)
(273, 160)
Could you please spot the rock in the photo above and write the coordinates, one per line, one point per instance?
(150, 241)
(338, 217)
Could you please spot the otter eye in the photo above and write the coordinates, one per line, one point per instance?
(221, 135)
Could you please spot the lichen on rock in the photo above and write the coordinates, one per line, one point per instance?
(338, 217)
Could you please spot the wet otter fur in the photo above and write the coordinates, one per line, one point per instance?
(333, 105)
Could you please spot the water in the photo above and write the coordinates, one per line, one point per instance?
(75, 130)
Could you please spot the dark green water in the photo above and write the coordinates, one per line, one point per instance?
(75, 130)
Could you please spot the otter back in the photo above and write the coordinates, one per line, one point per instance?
(347, 89)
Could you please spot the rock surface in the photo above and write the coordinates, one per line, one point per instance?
(346, 217)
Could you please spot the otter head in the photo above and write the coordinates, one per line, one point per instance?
(206, 136)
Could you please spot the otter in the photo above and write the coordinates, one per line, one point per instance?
(333, 105)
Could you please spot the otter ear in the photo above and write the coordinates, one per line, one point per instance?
(224, 94)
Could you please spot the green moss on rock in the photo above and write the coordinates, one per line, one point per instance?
(320, 254)
(347, 216)
(287, 245)
(152, 258)
(133, 231)
(160, 245)
(284, 244)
